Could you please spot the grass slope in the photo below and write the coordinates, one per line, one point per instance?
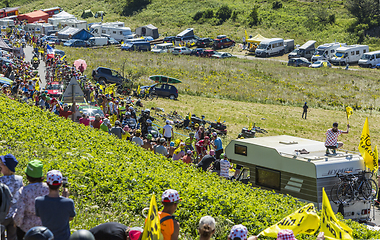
(296, 19)
(111, 180)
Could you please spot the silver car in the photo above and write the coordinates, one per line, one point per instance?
(181, 50)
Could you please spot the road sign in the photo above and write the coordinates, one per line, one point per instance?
(73, 92)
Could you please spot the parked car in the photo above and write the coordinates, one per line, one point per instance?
(55, 89)
(163, 90)
(163, 48)
(197, 52)
(320, 63)
(223, 43)
(136, 46)
(53, 42)
(299, 62)
(76, 43)
(204, 42)
(181, 50)
(90, 111)
(107, 75)
(169, 39)
(222, 55)
(208, 53)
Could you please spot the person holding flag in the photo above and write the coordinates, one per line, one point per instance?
(332, 138)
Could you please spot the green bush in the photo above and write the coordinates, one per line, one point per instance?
(198, 15)
(253, 18)
(209, 13)
(223, 13)
(276, 5)
(112, 180)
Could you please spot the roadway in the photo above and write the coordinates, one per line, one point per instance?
(41, 68)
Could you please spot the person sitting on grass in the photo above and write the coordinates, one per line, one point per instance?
(179, 152)
(115, 231)
(187, 158)
(332, 138)
(148, 144)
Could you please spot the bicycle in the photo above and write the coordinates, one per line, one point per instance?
(352, 186)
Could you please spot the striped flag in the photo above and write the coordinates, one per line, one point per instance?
(49, 51)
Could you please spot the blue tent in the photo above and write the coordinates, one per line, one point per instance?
(74, 33)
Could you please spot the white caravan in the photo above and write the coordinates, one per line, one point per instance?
(270, 47)
(349, 54)
(370, 59)
(114, 30)
(326, 51)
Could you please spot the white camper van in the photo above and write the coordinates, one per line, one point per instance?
(98, 41)
(270, 47)
(162, 48)
(326, 51)
(113, 30)
(298, 167)
(349, 54)
(369, 59)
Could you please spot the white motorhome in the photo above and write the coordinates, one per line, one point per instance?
(114, 30)
(270, 47)
(162, 48)
(349, 54)
(326, 51)
(81, 24)
(370, 59)
(7, 22)
(298, 167)
(39, 28)
(98, 41)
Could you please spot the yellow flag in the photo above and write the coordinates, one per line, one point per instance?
(152, 228)
(113, 119)
(304, 220)
(62, 58)
(349, 112)
(138, 90)
(250, 127)
(37, 86)
(246, 35)
(110, 89)
(375, 159)
(330, 225)
(219, 119)
(190, 116)
(365, 148)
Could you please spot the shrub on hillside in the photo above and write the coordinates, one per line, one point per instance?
(209, 13)
(276, 5)
(253, 18)
(131, 6)
(223, 13)
(198, 15)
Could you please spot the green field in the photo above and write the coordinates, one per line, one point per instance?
(323, 21)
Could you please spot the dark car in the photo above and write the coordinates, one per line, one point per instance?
(204, 42)
(136, 46)
(163, 90)
(107, 75)
(76, 43)
(223, 43)
(299, 62)
(197, 52)
(208, 53)
(169, 39)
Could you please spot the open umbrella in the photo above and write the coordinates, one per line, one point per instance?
(78, 62)
(4, 80)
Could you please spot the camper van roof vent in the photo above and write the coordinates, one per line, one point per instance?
(288, 142)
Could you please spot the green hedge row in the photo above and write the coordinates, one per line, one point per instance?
(112, 180)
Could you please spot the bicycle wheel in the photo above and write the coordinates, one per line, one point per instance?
(334, 193)
(345, 192)
(369, 189)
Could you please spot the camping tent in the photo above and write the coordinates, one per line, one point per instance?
(148, 30)
(4, 46)
(63, 14)
(257, 39)
(36, 16)
(74, 33)
(87, 13)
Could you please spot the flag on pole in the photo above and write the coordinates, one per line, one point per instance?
(250, 126)
(349, 112)
(190, 116)
(49, 51)
(365, 147)
(304, 220)
(152, 228)
(219, 119)
(330, 225)
(63, 57)
(138, 90)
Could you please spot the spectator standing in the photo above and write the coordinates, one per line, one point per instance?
(54, 210)
(206, 228)
(14, 183)
(238, 232)
(97, 122)
(305, 107)
(225, 166)
(105, 126)
(169, 225)
(25, 216)
(168, 131)
(84, 120)
(217, 144)
(189, 142)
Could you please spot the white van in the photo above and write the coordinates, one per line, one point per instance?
(162, 48)
(270, 47)
(369, 59)
(98, 41)
(326, 51)
(349, 54)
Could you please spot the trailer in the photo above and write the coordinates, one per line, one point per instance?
(298, 167)
(115, 30)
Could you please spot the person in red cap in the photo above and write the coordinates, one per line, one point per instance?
(169, 225)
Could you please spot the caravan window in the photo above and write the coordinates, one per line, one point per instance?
(364, 51)
(378, 55)
(240, 149)
(103, 31)
(332, 51)
(114, 32)
(357, 52)
(268, 178)
(352, 52)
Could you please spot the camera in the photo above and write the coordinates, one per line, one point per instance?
(65, 182)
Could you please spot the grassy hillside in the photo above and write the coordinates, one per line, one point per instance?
(324, 21)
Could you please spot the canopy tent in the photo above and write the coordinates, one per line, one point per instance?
(87, 13)
(36, 16)
(148, 30)
(63, 14)
(4, 46)
(74, 33)
(257, 39)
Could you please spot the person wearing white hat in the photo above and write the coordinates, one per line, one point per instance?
(168, 131)
(169, 225)
(238, 232)
(206, 228)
